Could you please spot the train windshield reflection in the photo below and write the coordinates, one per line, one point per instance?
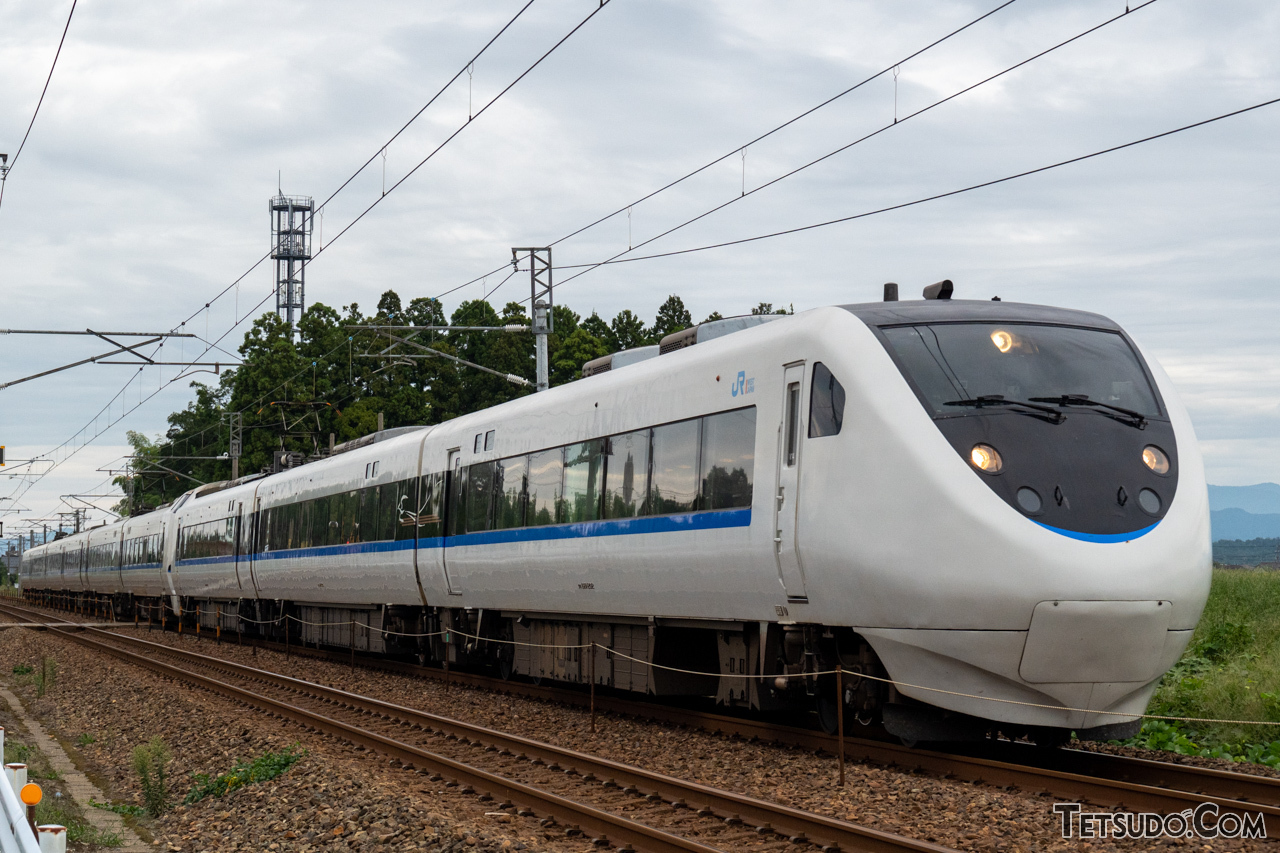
(965, 361)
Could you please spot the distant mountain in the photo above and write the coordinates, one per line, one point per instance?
(1237, 524)
(1262, 498)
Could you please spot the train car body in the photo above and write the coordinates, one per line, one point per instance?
(999, 508)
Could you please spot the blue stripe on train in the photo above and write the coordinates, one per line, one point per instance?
(715, 520)
(1099, 537)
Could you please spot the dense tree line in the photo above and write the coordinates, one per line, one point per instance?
(295, 391)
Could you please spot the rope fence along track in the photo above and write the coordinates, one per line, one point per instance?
(701, 800)
(1073, 774)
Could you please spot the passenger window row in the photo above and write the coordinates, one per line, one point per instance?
(705, 463)
(141, 550)
(104, 556)
(208, 539)
(373, 514)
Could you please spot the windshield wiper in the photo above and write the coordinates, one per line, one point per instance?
(1128, 416)
(1044, 413)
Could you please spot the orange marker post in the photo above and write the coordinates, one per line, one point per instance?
(31, 796)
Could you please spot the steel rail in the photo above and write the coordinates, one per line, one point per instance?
(797, 825)
(1113, 780)
(1100, 778)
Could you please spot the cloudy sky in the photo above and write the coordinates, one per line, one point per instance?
(142, 191)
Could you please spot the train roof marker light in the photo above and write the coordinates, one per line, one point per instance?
(890, 291)
(940, 290)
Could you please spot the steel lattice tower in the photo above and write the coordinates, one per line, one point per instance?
(291, 249)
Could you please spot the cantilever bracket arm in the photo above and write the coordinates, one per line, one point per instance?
(4, 385)
(510, 377)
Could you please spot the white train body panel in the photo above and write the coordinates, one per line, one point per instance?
(883, 527)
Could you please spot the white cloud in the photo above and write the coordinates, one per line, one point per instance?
(142, 190)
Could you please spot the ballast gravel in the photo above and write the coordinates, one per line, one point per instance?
(362, 795)
(333, 799)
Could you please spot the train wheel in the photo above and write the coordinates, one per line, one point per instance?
(1047, 738)
(827, 719)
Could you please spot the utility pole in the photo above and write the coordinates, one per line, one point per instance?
(541, 302)
(233, 450)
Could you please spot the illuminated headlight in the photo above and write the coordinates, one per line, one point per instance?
(986, 458)
(1154, 458)
(1003, 341)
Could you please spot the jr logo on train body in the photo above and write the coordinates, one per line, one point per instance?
(742, 385)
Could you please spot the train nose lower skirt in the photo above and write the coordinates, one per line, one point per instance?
(1095, 641)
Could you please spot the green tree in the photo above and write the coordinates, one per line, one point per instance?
(672, 317)
(149, 486)
(628, 330)
(579, 348)
(264, 393)
(767, 308)
(596, 327)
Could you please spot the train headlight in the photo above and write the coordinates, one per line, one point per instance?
(1155, 459)
(986, 458)
(1003, 341)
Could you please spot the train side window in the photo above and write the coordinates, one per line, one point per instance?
(545, 487)
(351, 517)
(369, 527)
(583, 470)
(510, 492)
(429, 500)
(479, 443)
(826, 403)
(674, 481)
(305, 524)
(456, 518)
(480, 481)
(319, 522)
(728, 459)
(627, 475)
(404, 517)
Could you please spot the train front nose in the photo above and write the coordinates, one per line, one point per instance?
(1095, 576)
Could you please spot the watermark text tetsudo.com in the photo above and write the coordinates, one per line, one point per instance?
(1204, 821)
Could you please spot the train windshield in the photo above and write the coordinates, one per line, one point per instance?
(956, 364)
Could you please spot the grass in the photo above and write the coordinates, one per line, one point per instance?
(1230, 671)
(85, 739)
(64, 813)
(38, 767)
(261, 769)
(151, 762)
(118, 808)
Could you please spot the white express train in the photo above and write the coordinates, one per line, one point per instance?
(1000, 501)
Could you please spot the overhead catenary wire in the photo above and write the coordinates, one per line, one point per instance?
(760, 138)
(4, 178)
(897, 122)
(229, 287)
(595, 11)
(934, 197)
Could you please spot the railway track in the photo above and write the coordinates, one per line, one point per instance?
(1112, 781)
(612, 803)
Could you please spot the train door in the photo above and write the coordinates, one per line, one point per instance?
(83, 551)
(251, 542)
(237, 537)
(169, 556)
(454, 491)
(119, 560)
(786, 500)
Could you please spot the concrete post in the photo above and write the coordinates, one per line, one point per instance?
(53, 838)
(17, 776)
